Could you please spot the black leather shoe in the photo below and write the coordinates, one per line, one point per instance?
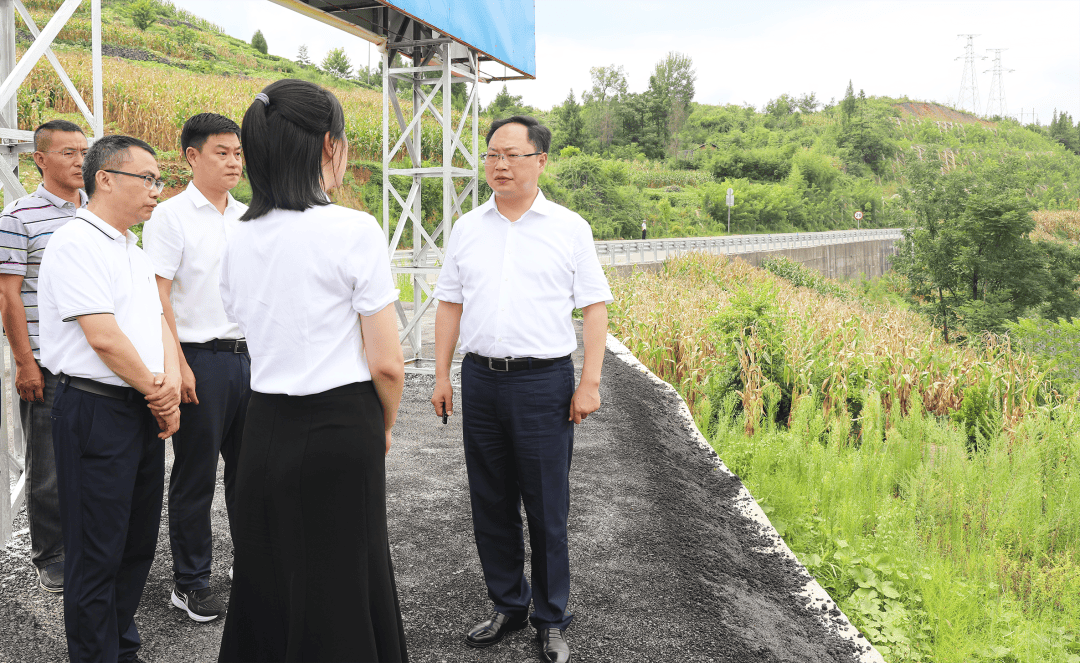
(553, 645)
(492, 630)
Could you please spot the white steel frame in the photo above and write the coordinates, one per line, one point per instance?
(453, 63)
(13, 142)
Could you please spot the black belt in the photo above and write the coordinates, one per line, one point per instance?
(99, 388)
(235, 346)
(508, 364)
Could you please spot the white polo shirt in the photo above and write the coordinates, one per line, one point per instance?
(520, 280)
(91, 268)
(297, 284)
(184, 239)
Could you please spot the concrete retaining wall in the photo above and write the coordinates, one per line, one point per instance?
(868, 259)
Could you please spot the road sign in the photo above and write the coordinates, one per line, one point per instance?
(858, 216)
(730, 204)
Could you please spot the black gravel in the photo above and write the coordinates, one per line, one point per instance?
(664, 567)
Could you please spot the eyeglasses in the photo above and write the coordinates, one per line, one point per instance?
(68, 153)
(149, 181)
(491, 158)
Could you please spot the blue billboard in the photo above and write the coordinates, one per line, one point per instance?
(504, 30)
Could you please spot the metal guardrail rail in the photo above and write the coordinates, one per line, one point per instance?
(627, 251)
(623, 252)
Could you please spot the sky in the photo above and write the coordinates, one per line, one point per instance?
(750, 52)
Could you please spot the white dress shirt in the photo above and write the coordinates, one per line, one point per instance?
(90, 268)
(297, 284)
(184, 239)
(519, 281)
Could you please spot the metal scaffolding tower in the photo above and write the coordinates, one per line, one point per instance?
(996, 103)
(969, 88)
(14, 142)
(436, 63)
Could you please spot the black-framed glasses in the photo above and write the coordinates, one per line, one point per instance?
(68, 153)
(491, 158)
(149, 181)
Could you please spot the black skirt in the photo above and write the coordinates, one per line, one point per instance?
(312, 576)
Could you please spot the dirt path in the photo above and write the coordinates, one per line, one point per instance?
(666, 567)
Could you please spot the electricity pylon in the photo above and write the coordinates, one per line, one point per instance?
(969, 88)
(997, 87)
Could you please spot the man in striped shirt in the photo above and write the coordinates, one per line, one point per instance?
(25, 229)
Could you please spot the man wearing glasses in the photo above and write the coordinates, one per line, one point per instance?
(117, 399)
(59, 148)
(515, 268)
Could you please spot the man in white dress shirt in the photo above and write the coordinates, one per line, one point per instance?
(117, 398)
(515, 269)
(184, 239)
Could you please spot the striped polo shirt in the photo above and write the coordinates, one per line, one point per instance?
(25, 229)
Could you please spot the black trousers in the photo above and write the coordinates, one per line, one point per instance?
(110, 467)
(313, 580)
(518, 447)
(42, 496)
(213, 427)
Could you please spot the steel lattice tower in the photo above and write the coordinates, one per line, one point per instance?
(997, 87)
(969, 87)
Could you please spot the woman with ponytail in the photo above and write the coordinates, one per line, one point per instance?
(309, 284)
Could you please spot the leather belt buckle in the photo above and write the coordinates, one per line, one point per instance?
(240, 347)
(505, 364)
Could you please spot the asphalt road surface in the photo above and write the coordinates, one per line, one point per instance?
(666, 564)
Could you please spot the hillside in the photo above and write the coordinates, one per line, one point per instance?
(793, 165)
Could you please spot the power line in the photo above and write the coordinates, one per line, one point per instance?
(969, 87)
(997, 87)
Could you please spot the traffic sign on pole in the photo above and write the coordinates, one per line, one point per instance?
(730, 204)
(858, 220)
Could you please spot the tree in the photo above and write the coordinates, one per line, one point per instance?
(505, 104)
(336, 63)
(258, 42)
(302, 56)
(807, 103)
(144, 13)
(968, 255)
(847, 106)
(672, 89)
(608, 83)
(571, 127)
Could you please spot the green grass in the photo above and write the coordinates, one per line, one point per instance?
(935, 554)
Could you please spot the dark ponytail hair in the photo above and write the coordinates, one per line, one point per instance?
(282, 138)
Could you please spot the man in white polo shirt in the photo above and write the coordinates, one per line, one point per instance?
(117, 399)
(25, 230)
(515, 269)
(184, 239)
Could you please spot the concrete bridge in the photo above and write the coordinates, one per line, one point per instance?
(835, 254)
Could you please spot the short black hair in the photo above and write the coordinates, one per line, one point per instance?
(105, 153)
(43, 135)
(539, 135)
(282, 141)
(200, 127)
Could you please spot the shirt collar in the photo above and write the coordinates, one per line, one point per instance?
(199, 200)
(99, 223)
(57, 201)
(540, 205)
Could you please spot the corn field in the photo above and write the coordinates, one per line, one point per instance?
(830, 349)
(152, 103)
